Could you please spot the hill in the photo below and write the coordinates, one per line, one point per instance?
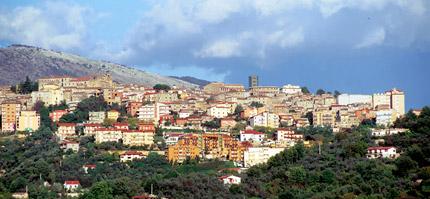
(193, 80)
(18, 61)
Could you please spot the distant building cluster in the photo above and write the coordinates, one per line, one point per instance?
(217, 121)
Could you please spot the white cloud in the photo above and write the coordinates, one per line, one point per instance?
(374, 38)
(285, 38)
(220, 49)
(55, 25)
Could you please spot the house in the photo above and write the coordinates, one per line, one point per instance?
(382, 152)
(146, 126)
(184, 113)
(227, 123)
(88, 166)
(287, 134)
(133, 107)
(57, 114)
(219, 111)
(130, 155)
(120, 126)
(230, 179)
(251, 135)
(9, 115)
(112, 115)
(66, 145)
(172, 138)
(71, 185)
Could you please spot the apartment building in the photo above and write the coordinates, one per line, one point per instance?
(137, 137)
(9, 114)
(259, 155)
(107, 135)
(66, 130)
(96, 116)
(28, 121)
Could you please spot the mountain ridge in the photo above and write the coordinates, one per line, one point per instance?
(18, 61)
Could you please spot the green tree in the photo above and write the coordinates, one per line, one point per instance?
(305, 90)
(100, 190)
(256, 104)
(163, 87)
(320, 92)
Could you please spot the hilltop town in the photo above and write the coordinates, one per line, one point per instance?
(244, 126)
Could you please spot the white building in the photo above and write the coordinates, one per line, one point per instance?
(219, 111)
(387, 132)
(71, 185)
(184, 113)
(96, 116)
(265, 119)
(152, 112)
(381, 152)
(131, 155)
(230, 179)
(66, 145)
(291, 89)
(287, 134)
(384, 117)
(172, 138)
(251, 135)
(258, 155)
(345, 99)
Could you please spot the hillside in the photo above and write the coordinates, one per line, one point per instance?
(18, 61)
(193, 80)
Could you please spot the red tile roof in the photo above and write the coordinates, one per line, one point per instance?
(72, 182)
(251, 132)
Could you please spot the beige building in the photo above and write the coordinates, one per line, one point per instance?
(219, 111)
(397, 98)
(219, 87)
(324, 117)
(265, 119)
(254, 156)
(107, 135)
(28, 121)
(137, 137)
(112, 115)
(66, 130)
(96, 116)
(9, 114)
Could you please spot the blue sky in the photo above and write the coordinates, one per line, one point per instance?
(352, 46)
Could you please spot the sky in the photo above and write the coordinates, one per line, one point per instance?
(354, 46)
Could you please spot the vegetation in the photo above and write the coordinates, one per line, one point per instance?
(25, 87)
(160, 87)
(305, 90)
(256, 104)
(320, 92)
(335, 166)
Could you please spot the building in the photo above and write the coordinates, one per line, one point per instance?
(182, 150)
(259, 155)
(28, 121)
(324, 117)
(112, 115)
(227, 123)
(264, 90)
(386, 132)
(252, 81)
(288, 134)
(152, 112)
(90, 128)
(345, 99)
(265, 119)
(133, 107)
(9, 115)
(130, 156)
(88, 167)
(70, 145)
(382, 152)
(219, 111)
(57, 114)
(71, 185)
(219, 87)
(251, 135)
(397, 101)
(96, 116)
(137, 137)
(66, 130)
(385, 117)
(107, 135)
(291, 89)
(230, 179)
